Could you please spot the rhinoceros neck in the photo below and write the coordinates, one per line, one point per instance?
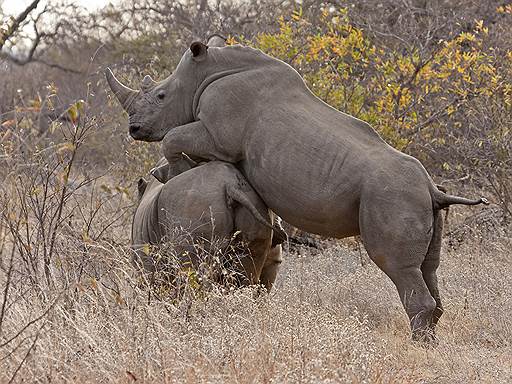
(227, 61)
(209, 80)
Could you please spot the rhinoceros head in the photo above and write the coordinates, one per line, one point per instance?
(161, 106)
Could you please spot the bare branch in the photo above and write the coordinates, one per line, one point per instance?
(17, 22)
(36, 41)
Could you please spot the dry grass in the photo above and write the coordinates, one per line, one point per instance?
(77, 312)
(329, 319)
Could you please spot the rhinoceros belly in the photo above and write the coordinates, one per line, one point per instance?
(309, 199)
(308, 165)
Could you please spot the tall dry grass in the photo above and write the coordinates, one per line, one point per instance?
(329, 319)
(78, 312)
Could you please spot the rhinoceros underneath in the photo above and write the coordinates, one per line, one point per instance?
(209, 200)
(321, 170)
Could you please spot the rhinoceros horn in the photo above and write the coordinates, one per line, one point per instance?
(147, 83)
(124, 94)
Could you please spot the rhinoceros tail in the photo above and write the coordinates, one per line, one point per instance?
(279, 235)
(442, 200)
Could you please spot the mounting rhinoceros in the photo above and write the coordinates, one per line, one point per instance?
(211, 199)
(321, 170)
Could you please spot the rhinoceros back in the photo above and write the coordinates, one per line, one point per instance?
(195, 201)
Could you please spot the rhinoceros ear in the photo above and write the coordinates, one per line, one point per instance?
(161, 173)
(141, 187)
(216, 40)
(198, 50)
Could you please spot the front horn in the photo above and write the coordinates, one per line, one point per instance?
(122, 92)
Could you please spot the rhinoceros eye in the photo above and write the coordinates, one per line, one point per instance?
(160, 95)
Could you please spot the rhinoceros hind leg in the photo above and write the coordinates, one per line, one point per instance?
(399, 249)
(430, 265)
(417, 301)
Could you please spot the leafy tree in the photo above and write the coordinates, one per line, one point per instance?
(450, 107)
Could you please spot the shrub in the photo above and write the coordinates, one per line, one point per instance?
(449, 106)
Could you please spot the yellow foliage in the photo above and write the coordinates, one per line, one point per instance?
(505, 9)
(395, 91)
(65, 147)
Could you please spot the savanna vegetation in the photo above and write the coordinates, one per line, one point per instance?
(433, 77)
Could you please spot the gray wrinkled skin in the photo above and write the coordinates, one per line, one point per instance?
(211, 199)
(321, 170)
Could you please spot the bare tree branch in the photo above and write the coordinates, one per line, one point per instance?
(30, 57)
(6, 35)
(38, 38)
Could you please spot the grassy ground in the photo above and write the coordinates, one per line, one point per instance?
(332, 317)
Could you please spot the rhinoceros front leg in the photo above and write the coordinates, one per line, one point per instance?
(271, 267)
(194, 140)
(162, 172)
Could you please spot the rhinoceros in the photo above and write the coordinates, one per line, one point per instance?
(320, 169)
(210, 199)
